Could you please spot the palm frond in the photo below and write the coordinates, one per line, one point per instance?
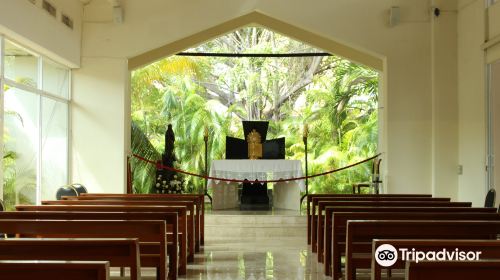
(143, 172)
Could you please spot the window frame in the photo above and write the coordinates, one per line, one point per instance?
(40, 94)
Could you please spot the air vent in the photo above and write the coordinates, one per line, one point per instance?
(67, 21)
(51, 9)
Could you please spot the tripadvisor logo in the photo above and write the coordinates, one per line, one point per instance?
(386, 255)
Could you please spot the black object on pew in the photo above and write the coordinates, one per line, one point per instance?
(490, 198)
(68, 190)
(79, 188)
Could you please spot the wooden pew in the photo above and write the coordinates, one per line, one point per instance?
(319, 203)
(367, 230)
(196, 200)
(318, 221)
(456, 270)
(151, 232)
(56, 270)
(176, 266)
(323, 203)
(340, 220)
(192, 220)
(119, 252)
(199, 200)
(174, 206)
(490, 249)
(309, 198)
(312, 217)
(180, 210)
(340, 229)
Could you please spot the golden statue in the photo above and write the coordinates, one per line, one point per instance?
(254, 145)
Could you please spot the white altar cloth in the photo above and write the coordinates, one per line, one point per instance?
(286, 194)
(260, 169)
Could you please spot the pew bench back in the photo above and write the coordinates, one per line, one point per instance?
(74, 270)
(119, 252)
(317, 219)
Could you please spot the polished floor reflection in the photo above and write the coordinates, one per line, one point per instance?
(255, 246)
(256, 259)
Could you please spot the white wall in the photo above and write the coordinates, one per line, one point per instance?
(472, 103)
(444, 100)
(34, 27)
(98, 111)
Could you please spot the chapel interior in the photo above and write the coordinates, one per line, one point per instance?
(67, 111)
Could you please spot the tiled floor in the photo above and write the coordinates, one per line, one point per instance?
(255, 259)
(271, 254)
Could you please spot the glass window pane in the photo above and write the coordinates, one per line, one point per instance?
(20, 146)
(54, 147)
(55, 79)
(20, 65)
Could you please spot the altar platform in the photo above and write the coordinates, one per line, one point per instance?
(272, 212)
(232, 224)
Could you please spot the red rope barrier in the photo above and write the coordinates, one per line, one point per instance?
(161, 166)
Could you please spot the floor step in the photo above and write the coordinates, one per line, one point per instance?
(245, 220)
(233, 227)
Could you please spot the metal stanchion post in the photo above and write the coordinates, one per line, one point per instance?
(205, 138)
(304, 138)
(129, 176)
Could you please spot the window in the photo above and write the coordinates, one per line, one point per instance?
(35, 92)
(21, 66)
(55, 79)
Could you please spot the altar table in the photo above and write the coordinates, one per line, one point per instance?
(286, 195)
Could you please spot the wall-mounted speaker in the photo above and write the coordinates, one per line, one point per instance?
(394, 16)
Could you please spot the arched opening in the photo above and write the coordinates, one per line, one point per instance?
(210, 88)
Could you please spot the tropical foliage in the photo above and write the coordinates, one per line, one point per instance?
(338, 99)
